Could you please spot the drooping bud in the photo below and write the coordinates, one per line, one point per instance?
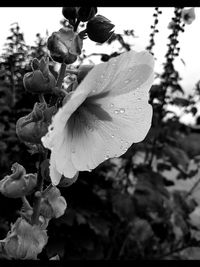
(25, 241)
(65, 45)
(40, 80)
(32, 127)
(99, 29)
(70, 13)
(83, 71)
(53, 205)
(18, 184)
(86, 13)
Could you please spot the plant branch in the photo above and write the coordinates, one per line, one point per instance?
(61, 75)
(36, 205)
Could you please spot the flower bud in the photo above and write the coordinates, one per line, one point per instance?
(83, 71)
(31, 132)
(65, 45)
(53, 204)
(86, 13)
(32, 127)
(70, 13)
(18, 184)
(99, 29)
(40, 80)
(25, 241)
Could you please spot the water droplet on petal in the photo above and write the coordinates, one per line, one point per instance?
(111, 105)
(122, 110)
(126, 81)
(116, 111)
(107, 157)
(93, 91)
(112, 135)
(89, 170)
(130, 69)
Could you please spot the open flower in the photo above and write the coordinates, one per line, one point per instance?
(188, 15)
(101, 119)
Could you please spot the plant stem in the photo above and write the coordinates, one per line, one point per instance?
(58, 83)
(61, 75)
(36, 205)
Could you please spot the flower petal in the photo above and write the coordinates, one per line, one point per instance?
(106, 114)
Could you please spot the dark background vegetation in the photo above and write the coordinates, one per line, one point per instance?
(138, 206)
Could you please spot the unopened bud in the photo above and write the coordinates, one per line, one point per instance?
(32, 127)
(31, 132)
(99, 29)
(65, 45)
(86, 13)
(40, 80)
(70, 13)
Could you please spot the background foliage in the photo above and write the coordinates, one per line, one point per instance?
(143, 205)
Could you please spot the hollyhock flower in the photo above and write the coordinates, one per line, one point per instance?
(188, 15)
(101, 119)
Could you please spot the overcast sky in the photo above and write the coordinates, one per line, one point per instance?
(38, 20)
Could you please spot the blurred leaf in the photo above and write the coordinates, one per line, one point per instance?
(177, 156)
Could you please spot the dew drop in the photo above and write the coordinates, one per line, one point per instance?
(130, 69)
(89, 170)
(93, 91)
(111, 105)
(122, 110)
(116, 111)
(112, 135)
(126, 81)
(107, 157)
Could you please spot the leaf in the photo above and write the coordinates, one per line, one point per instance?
(177, 156)
(123, 206)
(191, 144)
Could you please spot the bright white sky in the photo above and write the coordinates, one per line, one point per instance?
(38, 20)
